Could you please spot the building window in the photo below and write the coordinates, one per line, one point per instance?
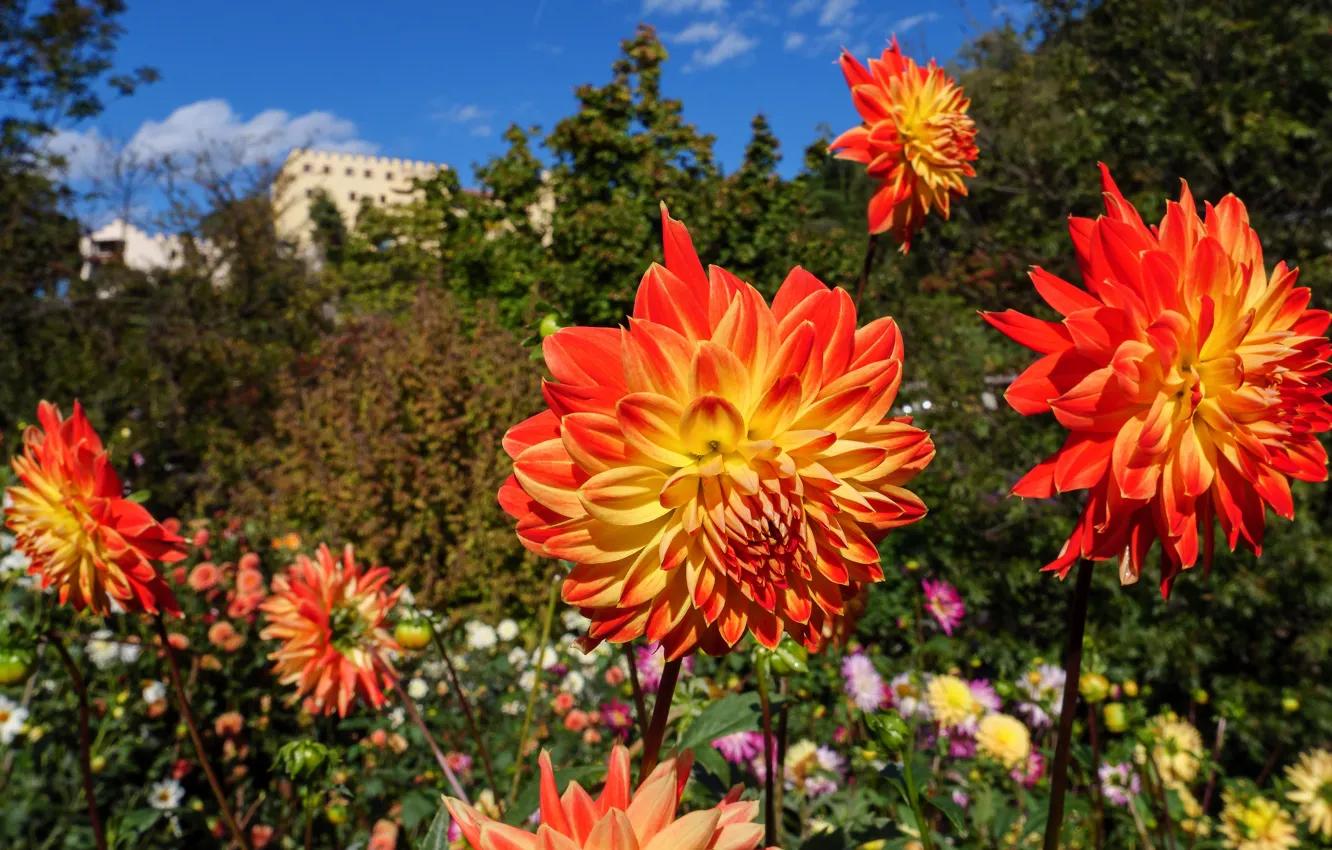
(327, 170)
(309, 193)
(351, 171)
(388, 175)
(369, 173)
(382, 199)
(308, 167)
(351, 195)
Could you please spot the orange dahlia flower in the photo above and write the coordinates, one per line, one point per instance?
(620, 818)
(917, 140)
(1191, 382)
(329, 616)
(70, 517)
(720, 466)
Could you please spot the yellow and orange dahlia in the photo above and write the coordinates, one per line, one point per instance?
(70, 517)
(719, 466)
(1191, 382)
(917, 140)
(620, 818)
(329, 617)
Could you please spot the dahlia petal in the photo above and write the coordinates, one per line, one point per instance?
(711, 423)
(626, 495)
(651, 424)
(716, 371)
(594, 441)
(1063, 296)
(613, 832)
(585, 357)
(798, 287)
(500, 836)
(680, 256)
(616, 792)
(549, 475)
(549, 839)
(692, 832)
(1038, 335)
(656, 360)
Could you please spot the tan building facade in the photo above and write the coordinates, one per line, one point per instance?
(348, 179)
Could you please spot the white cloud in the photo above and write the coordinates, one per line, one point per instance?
(804, 7)
(794, 40)
(210, 125)
(729, 46)
(462, 113)
(676, 7)
(481, 130)
(708, 31)
(837, 13)
(910, 22)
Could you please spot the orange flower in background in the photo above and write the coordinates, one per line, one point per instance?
(1191, 382)
(720, 466)
(329, 616)
(917, 140)
(620, 818)
(70, 517)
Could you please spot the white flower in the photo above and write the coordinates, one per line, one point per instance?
(154, 692)
(480, 635)
(397, 717)
(166, 794)
(174, 823)
(574, 621)
(512, 707)
(517, 658)
(407, 598)
(417, 689)
(566, 640)
(14, 562)
(102, 652)
(6, 541)
(434, 669)
(129, 652)
(507, 630)
(574, 682)
(116, 607)
(528, 680)
(548, 659)
(12, 718)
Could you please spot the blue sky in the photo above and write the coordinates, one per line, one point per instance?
(441, 80)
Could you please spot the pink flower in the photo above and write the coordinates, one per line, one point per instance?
(983, 692)
(1032, 772)
(945, 603)
(862, 682)
(739, 747)
(617, 717)
(651, 663)
(203, 577)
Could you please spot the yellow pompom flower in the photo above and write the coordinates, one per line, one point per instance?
(1312, 779)
(1005, 739)
(1178, 748)
(952, 701)
(1256, 823)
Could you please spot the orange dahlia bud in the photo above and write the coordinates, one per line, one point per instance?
(621, 817)
(1191, 382)
(329, 616)
(719, 466)
(917, 140)
(70, 517)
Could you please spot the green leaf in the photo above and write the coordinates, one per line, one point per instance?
(710, 760)
(951, 810)
(730, 714)
(140, 821)
(140, 496)
(437, 837)
(416, 807)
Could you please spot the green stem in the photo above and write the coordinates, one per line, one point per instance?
(769, 770)
(913, 795)
(466, 707)
(536, 685)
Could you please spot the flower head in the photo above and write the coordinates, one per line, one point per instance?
(917, 140)
(166, 794)
(12, 718)
(862, 681)
(1119, 783)
(1005, 739)
(720, 466)
(1031, 772)
(739, 747)
(1191, 382)
(908, 697)
(952, 701)
(330, 617)
(70, 518)
(650, 662)
(1312, 779)
(945, 603)
(1177, 748)
(620, 817)
(1256, 823)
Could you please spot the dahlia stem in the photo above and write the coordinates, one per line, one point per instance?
(1216, 756)
(309, 827)
(1098, 832)
(1077, 624)
(466, 707)
(865, 268)
(913, 795)
(661, 712)
(85, 746)
(640, 704)
(443, 762)
(769, 769)
(783, 718)
(187, 714)
(536, 686)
